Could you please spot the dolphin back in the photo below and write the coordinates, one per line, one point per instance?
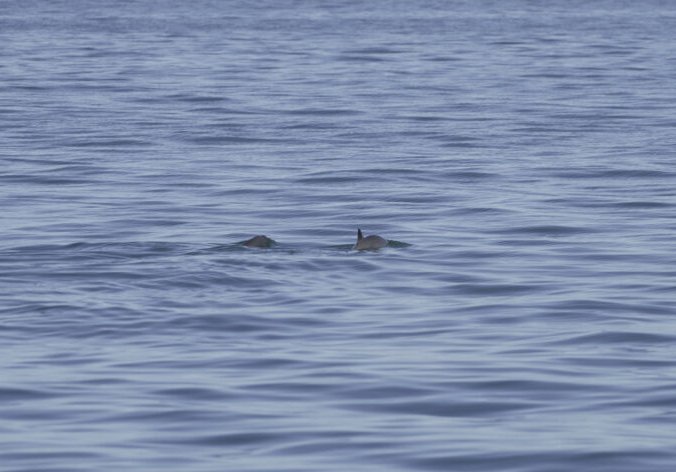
(369, 242)
(260, 241)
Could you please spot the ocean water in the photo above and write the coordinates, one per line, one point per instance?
(521, 155)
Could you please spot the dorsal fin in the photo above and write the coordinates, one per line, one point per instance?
(359, 235)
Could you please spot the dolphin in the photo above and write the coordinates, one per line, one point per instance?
(369, 242)
(260, 241)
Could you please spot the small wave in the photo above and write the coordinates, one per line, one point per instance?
(322, 112)
(224, 140)
(431, 407)
(11, 394)
(547, 230)
(615, 174)
(618, 337)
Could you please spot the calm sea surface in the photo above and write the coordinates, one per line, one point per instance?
(520, 155)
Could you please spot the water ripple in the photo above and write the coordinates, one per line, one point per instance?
(519, 159)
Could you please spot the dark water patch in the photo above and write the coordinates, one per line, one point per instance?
(194, 394)
(606, 254)
(641, 205)
(375, 50)
(231, 439)
(528, 387)
(225, 124)
(403, 172)
(549, 130)
(546, 75)
(225, 110)
(104, 381)
(341, 247)
(322, 112)
(605, 307)
(29, 88)
(638, 173)
(360, 58)
(312, 126)
(494, 290)
(593, 116)
(41, 179)
(81, 169)
(552, 461)
(527, 242)
(271, 362)
(336, 441)
(397, 244)
(198, 99)
(444, 58)
(384, 392)
(408, 333)
(629, 361)
(234, 140)
(462, 142)
(613, 174)
(470, 255)
(618, 337)
(21, 395)
(41, 308)
(207, 279)
(168, 418)
(664, 401)
(112, 331)
(106, 143)
(444, 409)
(43, 459)
(546, 230)
(228, 323)
(150, 366)
(236, 247)
(508, 43)
(99, 251)
(469, 176)
(288, 389)
(484, 211)
(426, 118)
(327, 180)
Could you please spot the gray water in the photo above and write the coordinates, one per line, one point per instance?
(521, 155)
